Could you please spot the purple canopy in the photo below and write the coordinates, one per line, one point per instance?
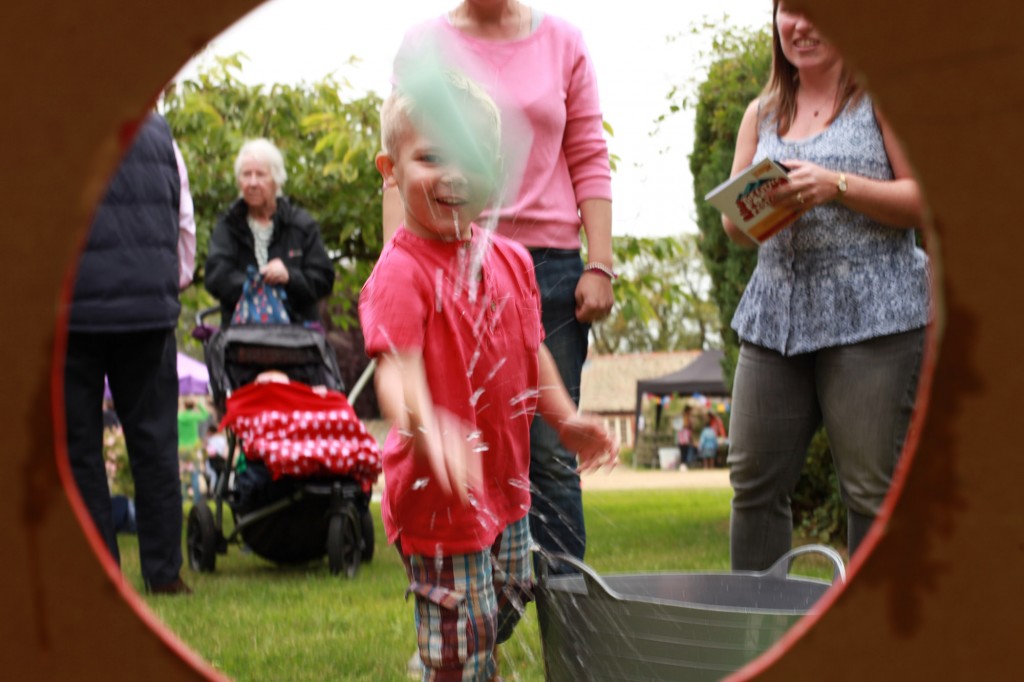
(193, 377)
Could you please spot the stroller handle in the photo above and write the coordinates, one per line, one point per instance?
(361, 382)
(201, 315)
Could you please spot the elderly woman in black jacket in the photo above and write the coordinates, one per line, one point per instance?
(262, 228)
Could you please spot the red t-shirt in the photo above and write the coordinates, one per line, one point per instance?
(472, 309)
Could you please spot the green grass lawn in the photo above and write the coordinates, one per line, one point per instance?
(255, 620)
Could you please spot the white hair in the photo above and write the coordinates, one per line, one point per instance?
(266, 151)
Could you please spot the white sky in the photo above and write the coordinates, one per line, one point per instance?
(288, 41)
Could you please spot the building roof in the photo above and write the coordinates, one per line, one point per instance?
(609, 381)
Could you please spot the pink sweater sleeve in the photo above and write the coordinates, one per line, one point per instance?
(586, 151)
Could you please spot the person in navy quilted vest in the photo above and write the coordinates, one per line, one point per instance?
(122, 317)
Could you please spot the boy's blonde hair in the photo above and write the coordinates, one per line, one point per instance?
(450, 105)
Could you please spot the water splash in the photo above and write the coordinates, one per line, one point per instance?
(438, 289)
(527, 395)
(524, 403)
(471, 367)
(494, 370)
(392, 348)
(491, 518)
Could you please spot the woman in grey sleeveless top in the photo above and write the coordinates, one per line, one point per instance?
(832, 321)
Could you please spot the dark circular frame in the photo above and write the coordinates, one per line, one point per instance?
(935, 594)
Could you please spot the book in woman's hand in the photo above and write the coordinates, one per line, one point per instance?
(744, 198)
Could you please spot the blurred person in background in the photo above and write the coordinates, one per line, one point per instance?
(123, 313)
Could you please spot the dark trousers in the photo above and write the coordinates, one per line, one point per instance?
(556, 516)
(142, 370)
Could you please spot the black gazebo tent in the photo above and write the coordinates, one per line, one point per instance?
(703, 375)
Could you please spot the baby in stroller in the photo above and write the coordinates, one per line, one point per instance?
(300, 464)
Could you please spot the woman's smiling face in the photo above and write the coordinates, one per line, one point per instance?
(801, 43)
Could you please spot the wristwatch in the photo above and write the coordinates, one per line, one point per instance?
(841, 183)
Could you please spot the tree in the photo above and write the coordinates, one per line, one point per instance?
(740, 61)
(661, 298)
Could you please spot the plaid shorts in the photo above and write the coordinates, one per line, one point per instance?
(468, 603)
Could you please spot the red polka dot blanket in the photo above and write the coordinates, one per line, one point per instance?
(297, 431)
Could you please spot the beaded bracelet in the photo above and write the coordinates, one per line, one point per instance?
(602, 268)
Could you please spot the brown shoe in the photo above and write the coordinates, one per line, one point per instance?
(176, 586)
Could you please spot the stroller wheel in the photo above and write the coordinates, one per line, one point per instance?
(202, 539)
(343, 542)
(366, 521)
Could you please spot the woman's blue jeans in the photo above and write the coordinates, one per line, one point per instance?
(863, 393)
(556, 516)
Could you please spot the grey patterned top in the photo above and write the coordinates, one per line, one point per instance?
(833, 277)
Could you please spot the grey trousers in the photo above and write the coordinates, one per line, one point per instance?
(863, 393)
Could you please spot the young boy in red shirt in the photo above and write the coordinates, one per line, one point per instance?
(452, 313)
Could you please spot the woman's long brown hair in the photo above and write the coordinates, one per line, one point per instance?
(778, 98)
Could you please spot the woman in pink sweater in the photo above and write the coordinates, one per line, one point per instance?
(537, 68)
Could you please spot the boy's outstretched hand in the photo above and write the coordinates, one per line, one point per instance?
(448, 445)
(594, 445)
(440, 438)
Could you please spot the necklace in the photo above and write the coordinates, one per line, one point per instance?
(821, 104)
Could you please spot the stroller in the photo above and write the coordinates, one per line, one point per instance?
(292, 502)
